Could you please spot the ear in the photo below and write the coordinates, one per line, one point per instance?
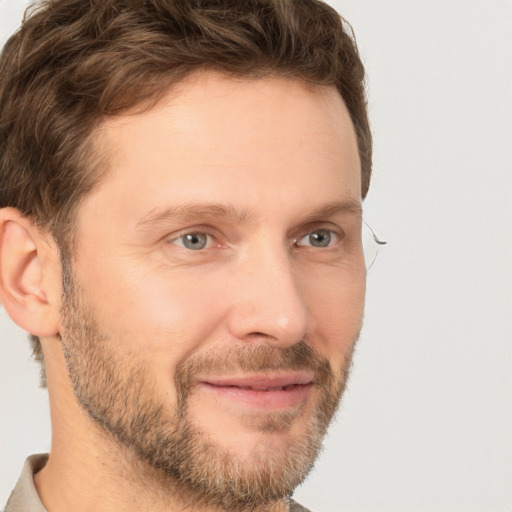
(29, 270)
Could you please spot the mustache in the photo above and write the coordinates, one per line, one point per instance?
(253, 358)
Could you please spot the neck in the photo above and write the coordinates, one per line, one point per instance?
(85, 480)
(88, 470)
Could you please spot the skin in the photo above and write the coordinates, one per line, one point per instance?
(256, 165)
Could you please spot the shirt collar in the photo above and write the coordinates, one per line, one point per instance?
(24, 497)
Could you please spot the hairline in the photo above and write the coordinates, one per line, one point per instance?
(98, 158)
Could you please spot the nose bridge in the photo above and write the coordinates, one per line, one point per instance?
(269, 302)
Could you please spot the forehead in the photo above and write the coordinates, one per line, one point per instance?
(219, 139)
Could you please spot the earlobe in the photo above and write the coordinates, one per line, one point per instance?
(23, 291)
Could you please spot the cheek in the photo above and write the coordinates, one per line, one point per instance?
(336, 312)
(159, 315)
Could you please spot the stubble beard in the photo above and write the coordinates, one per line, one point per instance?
(118, 394)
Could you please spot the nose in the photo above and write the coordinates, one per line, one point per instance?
(267, 303)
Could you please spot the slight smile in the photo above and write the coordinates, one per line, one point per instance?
(265, 392)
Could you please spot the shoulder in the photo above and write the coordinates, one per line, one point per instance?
(296, 507)
(24, 497)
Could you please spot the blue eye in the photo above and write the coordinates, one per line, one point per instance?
(193, 241)
(319, 238)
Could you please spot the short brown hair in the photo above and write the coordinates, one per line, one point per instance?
(73, 63)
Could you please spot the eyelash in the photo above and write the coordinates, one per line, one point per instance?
(332, 234)
(191, 234)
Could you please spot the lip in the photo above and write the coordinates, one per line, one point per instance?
(261, 391)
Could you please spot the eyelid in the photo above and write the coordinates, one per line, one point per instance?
(335, 230)
(338, 236)
(202, 230)
(175, 240)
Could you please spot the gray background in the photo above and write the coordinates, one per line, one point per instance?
(426, 424)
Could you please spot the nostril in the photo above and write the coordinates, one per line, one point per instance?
(257, 335)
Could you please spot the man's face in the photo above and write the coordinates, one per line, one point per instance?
(217, 286)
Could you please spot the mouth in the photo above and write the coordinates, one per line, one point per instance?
(267, 392)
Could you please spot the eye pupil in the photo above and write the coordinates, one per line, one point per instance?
(195, 241)
(320, 238)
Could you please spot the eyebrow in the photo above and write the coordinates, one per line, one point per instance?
(193, 212)
(198, 212)
(337, 207)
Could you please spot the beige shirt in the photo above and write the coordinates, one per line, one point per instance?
(24, 497)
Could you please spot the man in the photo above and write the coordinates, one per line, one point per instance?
(180, 233)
